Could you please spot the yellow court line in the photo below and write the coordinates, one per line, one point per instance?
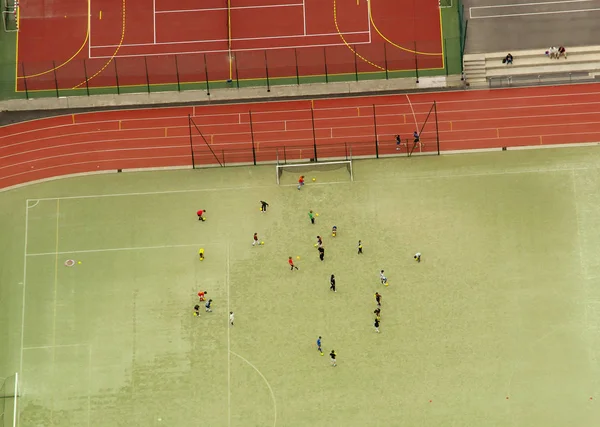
(346, 43)
(391, 42)
(87, 35)
(113, 55)
(17, 53)
(442, 39)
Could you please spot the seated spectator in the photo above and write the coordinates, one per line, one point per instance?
(562, 52)
(508, 59)
(553, 52)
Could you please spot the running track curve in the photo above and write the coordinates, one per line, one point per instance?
(160, 137)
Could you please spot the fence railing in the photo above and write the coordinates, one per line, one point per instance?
(308, 146)
(206, 71)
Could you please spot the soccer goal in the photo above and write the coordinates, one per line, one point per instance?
(310, 169)
(10, 17)
(9, 394)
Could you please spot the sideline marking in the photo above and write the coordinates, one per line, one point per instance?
(86, 251)
(228, 342)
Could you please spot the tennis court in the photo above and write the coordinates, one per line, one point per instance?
(130, 43)
(496, 326)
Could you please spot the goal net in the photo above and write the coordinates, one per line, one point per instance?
(330, 171)
(9, 393)
(10, 15)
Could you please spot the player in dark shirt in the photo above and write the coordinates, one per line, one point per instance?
(332, 283)
(196, 310)
(263, 206)
(376, 324)
(378, 299)
(321, 252)
(332, 357)
(377, 313)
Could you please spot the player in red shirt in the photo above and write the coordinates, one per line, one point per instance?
(201, 295)
(291, 263)
(300, 182)
(200, 213)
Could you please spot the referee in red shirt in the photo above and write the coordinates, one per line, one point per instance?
(200, 213)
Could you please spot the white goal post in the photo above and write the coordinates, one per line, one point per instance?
(305, 168)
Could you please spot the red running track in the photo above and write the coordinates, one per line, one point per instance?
(160, 137)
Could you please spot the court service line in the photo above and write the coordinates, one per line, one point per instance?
(233, 8)
(154, 19)
(235, 40)
(133, 248)
(266, 382)
(304, 14)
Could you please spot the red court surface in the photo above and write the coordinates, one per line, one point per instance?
(65, 42)
(160, 137)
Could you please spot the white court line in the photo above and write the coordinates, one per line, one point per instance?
(154, 19)
(233, 40)
(532, 4)
(44, 347)
(24, 287)
(304, 14)
(134, 248)
(266, 382)
(530, 13)
(225, 8)
(228, 341)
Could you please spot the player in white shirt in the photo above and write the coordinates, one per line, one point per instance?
(417, 257)
(383, 278)
(231, 318)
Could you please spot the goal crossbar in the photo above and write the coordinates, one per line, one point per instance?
(313, 166)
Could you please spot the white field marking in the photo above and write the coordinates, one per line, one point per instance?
(266, 382)
(62, 135)
(45, 347)
(304, 14)
(290, 36)
(578, 224)
(194, 52)
(413, 113)
(89, 386)
(533, 4)
(228, 340)
(553, 12)
(34, 205)
(485, 91)
(154, 19)
(24, 287)
(266, 6)
(136, 248)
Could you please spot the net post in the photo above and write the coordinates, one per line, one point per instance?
(385, 61)
(85, 74)
(437, 130)
(355, 62)
(237, 78)
(325, 62)
(297, 72)
(375, 129)
(117, 76)
(267, 72)
(177, 74)
(55, 78)
(147, 75)
(312, 116)
(416, 62)
(206, 74)
(191, 142)
(252, 137)
(25, 80)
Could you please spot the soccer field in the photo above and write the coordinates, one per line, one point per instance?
(498, 325)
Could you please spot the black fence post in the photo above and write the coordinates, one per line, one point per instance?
(375, 129)
(387, 76)
(55, 78)
(445, 57)
(25, 80)
(297, 72)
(206, 74)
(237, 77)
(312, 115)
(416, 62)
(191, 143)
(267, 73)
(437, 130)
(85, 74)
(325, 61)
(147, 75)
(117, 76)
(252, 136)
(355, 62)
(177, 74)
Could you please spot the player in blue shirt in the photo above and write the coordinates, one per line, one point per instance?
(207, 306)
(319, 346)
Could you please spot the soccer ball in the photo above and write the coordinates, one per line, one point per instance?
(314, 179)
(297, 257)
(262, 243)
(316, 214)
(315, 245)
